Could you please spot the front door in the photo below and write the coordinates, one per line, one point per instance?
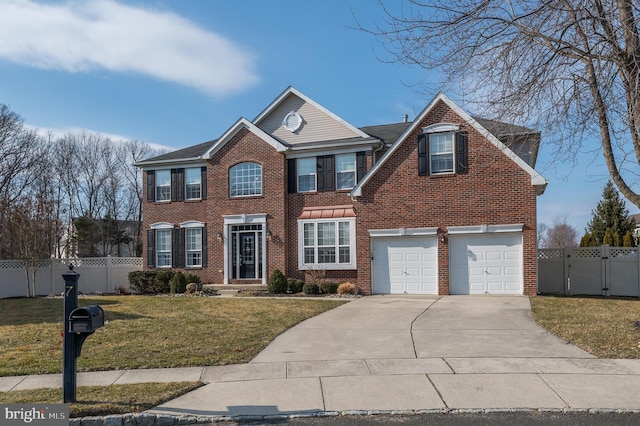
(246, 251)
(247, 255)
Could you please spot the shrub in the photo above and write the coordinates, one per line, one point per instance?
(178, 283)
(294, 285)
(142, 281)
(347, 288)
(277, 282)
(329, 287)
(310, 288)
(163, 280)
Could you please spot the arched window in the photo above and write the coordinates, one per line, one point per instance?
(245, 179)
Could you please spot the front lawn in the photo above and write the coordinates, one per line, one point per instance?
(604, 327)
(148, 331)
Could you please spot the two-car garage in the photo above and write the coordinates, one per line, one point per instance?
(482, 260)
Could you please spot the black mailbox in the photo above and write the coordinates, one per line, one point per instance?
(86, 320)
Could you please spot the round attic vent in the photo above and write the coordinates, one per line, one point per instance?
(292, 121)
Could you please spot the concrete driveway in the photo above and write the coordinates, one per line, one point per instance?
(404, 327)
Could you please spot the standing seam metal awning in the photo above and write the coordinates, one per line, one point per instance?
(327, 212)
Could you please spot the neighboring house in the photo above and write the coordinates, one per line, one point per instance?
(439, 205)
(86, 237)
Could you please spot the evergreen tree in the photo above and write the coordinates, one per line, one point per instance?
(610, 214)
(628, 240)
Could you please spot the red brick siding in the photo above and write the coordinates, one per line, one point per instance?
(495, 191)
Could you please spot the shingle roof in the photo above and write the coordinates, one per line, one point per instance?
(387, 133)
(193, 151)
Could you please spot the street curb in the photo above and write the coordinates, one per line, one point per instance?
(151, 419)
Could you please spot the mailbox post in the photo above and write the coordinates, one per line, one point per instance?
(79, 323)
(69, 364)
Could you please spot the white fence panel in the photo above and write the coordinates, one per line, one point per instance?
(97, 275)
(602, 271)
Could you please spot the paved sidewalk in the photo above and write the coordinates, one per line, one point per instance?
(397, 354)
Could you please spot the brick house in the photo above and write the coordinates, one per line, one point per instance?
(445, 204)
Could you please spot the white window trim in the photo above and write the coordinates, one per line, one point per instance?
(261, 180)
(186, 248)
(158, 252)
(354, 171)
(314, 174)
(192, 224)
(161, 225)
(328, 266)
(199, 170)
(156, 186)
(451, 154)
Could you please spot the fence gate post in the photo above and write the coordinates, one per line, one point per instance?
(605, 276)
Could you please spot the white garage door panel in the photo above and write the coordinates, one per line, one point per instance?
(405, 265)
(487, 263)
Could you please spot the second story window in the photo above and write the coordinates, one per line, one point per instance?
(245, 179)
(345, 171)
(306, 174)
(193, 186)
(163, 185)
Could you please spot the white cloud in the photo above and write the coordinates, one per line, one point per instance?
(79, 36)
(57, 133)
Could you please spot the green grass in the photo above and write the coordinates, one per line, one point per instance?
(104, 400)
(604, 327)
(148, 331)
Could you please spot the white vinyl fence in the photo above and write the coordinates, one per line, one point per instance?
(602, 271)
(97, 275)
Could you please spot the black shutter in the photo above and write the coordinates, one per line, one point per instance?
(205, 248)
(177, 248)
(462, 157)
(203, 183)
(361, 165)
(151, 186)
(177, 184)
(423, 155)
(292, 175)
(151, 248)
(325, 171)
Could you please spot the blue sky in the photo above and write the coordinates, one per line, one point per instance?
(177, 73)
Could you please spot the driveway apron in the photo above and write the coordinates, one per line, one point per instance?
(405, 327)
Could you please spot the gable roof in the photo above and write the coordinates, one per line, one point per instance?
(243, 123)
(537, 180)
(292, 91)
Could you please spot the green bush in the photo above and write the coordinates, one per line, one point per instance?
(294, 285)
(178, 283)
(142, 281)
(277, 282)
(329, 287)
(163, 280)
(310, 288)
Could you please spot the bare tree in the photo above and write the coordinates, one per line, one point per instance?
(560, 234)
(569, 68)
(19, 155)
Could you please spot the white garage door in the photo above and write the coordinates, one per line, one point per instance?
(485, 264)
(405, 265)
